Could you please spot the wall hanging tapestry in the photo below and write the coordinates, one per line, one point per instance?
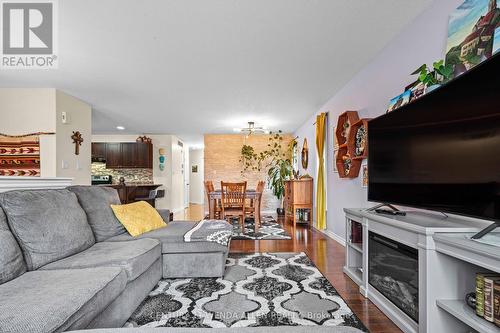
(20, 155)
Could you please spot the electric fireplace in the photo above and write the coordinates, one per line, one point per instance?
(393, 271)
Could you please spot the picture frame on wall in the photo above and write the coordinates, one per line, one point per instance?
(335, 153)
(364, 172)
(194, 168)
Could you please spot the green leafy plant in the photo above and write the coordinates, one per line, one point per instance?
(440, 73)
(276, 159)
(253, 161)
(278, 173)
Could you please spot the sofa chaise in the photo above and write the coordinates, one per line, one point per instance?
(67, 263)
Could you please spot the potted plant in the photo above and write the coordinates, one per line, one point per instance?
(277, 161)
(279, 171)
(433, 79)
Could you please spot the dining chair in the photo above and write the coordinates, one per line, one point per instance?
(209, 187)
(250, 210)
(233, 202)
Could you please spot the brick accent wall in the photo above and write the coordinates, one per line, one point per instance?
(222, 162)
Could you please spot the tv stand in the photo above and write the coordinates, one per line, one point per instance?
(374, 208)
(448, 262)
(487, 230)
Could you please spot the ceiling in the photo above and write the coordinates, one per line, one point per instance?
(189, 67)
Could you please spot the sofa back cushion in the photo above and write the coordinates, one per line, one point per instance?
(12, 263)
(48, 224)
(97, 201)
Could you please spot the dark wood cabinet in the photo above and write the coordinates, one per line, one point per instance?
(98, 150)
(144, 155)
(121, 155)
(129, 155)
(113, 155)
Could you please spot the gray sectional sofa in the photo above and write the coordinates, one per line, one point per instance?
(67, 263)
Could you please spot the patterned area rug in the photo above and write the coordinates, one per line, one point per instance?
(260, 289)
(269, 229)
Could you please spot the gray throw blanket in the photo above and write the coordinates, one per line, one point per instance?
(217, 231)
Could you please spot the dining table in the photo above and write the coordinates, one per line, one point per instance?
(249, 194)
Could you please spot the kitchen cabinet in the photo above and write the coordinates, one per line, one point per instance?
(119, 155)
(113, 155)
(98, 151)
(129, 154)
(144, 155)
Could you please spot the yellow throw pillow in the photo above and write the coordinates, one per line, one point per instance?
(138, 217)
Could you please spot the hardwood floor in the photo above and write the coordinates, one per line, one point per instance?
(329, 257)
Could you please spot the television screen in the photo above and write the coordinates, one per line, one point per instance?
(442, 151)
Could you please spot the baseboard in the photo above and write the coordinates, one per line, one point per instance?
(333, 236)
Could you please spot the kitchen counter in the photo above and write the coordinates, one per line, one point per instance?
(133, 192)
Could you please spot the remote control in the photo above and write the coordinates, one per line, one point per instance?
(390, 212)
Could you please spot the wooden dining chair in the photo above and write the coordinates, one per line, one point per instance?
(233, 201)
(250, 210)
(209, 187)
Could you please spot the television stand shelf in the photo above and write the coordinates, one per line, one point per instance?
(447, 265)
(460, 310)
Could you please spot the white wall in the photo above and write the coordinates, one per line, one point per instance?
(80, 119)
(163, 177)
(32, 110)
(25, 111)
(196, 190)
(369, 92)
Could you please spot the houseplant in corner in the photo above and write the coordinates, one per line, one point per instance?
(279, 171)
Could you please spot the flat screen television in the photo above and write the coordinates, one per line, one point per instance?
(442, 151)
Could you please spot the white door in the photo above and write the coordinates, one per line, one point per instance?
(185, 173)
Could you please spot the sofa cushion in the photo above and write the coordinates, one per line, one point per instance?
(172, 239)
(48, 224)
(138, 217)
(11, 258)
(97, 201)
(135, 257)
(50, 301)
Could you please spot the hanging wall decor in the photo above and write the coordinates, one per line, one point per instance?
(357, 143)
(77, 140)
(305, 154)
(347, 163)
(20, 155)
(161, 159)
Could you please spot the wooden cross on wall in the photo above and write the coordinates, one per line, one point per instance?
(77, 140)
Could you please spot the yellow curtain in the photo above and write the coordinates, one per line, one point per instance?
(320, 188)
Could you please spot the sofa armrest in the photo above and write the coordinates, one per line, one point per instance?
(165, 214)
